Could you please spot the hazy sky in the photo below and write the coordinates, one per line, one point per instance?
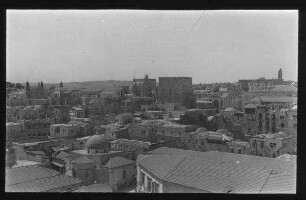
(209, 46)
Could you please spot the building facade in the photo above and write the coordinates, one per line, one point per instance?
(174, 89)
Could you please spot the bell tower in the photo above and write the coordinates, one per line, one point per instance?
(280, 74)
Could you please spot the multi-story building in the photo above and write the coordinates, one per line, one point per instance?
(292, 124)
(41, 102)
(203, 140)
(272, 144)
(13, 131)
(174, 89)
(172, 132)
(239, 147)
(143, 131)
(77, 111)
(261, 84)
(61, 114)
(34, 112)
(275, 103)
(230, 99)
(158, 130)
(64, 131)
(35, 128)
(124, 118)
(144, 87)
(11, 114)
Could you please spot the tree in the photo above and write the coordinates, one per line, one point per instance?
(9, 85)
(28, 86)
(61, 84)
(41, 84)
(19, 86)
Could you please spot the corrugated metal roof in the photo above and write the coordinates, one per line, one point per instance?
(44, 184)
(276, 165)
(27, 173)
(217, 177)
(160, 165)
(280, 183)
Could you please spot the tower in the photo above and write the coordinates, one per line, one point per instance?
(280, 74)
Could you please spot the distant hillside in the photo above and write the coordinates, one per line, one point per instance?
(95, 85)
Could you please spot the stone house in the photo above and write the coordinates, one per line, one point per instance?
(118, 173)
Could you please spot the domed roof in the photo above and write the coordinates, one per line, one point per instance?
(28, 108)
(230, 109)
(98, 141)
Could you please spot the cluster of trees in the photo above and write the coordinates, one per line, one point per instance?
(27, 87)
(12, 85)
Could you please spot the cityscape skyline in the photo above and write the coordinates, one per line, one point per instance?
(234, 44)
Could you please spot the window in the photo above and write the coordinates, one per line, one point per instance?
(142, 178)
(282, 125)
(271, 145)
(262, 145)
(282, 117)
(149, 184)
(232, 150)
(156, 187)
(239, 151)
(124, 174)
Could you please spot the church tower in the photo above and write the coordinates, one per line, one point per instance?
(280, 74)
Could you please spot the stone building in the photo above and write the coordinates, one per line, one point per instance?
(97, 149)
(292, 124)
(13, 131)
(174, 89)
(35, 128)
(78, 112)
(118, 173)
(261, 84)
(275, 103)
(144, 87)
(61, 114)
(272, 144)
(11, 114)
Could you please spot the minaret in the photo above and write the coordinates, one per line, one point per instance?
(280, 74)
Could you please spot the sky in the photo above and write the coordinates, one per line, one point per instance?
(93, 45)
